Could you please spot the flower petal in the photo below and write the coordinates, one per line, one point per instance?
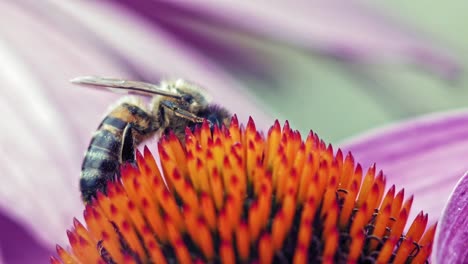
(49, 122)
(18, 246)
(451, 239)
(426, 156)
(349, 30)
(169, 57)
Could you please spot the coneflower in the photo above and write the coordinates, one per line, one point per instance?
(232, 195)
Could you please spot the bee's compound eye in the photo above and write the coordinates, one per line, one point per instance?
(187, 98)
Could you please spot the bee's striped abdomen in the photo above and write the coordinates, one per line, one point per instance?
(101, 160)
(106, 151)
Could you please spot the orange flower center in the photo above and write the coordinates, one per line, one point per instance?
(231, 195)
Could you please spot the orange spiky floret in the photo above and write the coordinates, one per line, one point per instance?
(230, 195)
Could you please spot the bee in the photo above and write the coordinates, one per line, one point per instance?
(175, 105)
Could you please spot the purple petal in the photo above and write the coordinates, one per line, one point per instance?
(346, 30)
(18, 246)
(426, 156)
(451, 241)
(49, 122)
(229, 52)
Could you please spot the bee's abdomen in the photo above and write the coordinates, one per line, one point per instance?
(101, 161)
(110, 147)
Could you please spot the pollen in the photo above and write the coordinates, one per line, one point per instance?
(233, 195)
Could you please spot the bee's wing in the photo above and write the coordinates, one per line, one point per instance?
(142, 88)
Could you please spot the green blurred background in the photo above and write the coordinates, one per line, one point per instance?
(338, 101)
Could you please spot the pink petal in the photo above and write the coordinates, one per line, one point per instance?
(48, 122)
(451, 241)
(426, 156)
(347, 30)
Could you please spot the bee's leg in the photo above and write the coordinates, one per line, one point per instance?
(127, 150)
(181, 112)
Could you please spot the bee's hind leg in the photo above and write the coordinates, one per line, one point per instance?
(127, 150)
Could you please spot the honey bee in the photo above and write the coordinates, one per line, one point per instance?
(175, 105)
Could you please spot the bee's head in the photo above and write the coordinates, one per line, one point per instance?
(216, 116)
(193, 99)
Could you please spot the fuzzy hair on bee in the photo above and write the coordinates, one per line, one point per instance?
(175, 105)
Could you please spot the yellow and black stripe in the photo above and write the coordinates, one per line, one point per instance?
(112, 144)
